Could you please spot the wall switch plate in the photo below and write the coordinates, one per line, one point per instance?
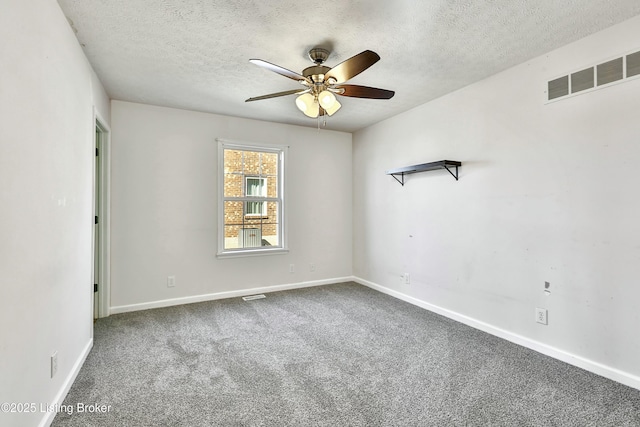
(171, 281)
(54, 364)
(541, 316)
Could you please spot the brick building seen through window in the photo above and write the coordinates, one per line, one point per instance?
(251, 199)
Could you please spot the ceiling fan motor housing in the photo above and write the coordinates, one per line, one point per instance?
(316, 73)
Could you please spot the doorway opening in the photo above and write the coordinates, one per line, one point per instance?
(101, 262)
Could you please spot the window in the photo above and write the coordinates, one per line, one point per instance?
(251, 199)
(255, 187)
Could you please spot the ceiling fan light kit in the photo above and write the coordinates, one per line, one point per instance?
(324, 83)
(308, 105)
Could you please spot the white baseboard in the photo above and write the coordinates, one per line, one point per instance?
(572, 359)
(66, 386)
(223, 295)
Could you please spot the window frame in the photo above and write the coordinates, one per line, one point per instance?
(281, 151)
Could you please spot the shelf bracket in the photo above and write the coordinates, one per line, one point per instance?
(395, 176)
(449, 170)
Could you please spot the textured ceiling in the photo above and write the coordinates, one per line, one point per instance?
(194, 54)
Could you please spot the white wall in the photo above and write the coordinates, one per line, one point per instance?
(164, 206)
(546, 193)
(46, 159)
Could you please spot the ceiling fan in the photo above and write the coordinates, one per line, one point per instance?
(322, 83)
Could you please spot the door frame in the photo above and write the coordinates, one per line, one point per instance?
(103, 196)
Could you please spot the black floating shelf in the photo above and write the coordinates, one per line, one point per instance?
(407, 170)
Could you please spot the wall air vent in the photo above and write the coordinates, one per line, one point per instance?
(610, 72)
(582, 80)
(558, 87)
(588, 79)
(633, 64)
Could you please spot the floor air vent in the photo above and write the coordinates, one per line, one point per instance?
(593, 77)
(252, 297)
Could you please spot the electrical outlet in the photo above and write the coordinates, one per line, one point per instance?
(541, 315)
(54, 364)
(312, 268)
(406, 278)
(292, 268)
(171, 281)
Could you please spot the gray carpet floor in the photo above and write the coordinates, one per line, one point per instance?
(337, 355)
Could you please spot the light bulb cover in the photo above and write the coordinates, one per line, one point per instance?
(335, 107)
(308, 105)
(304, 102)
(326, 99)
(313, 111)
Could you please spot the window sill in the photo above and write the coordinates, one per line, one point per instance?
(238, 253)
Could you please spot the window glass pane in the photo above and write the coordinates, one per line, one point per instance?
(233, 161)
(251, 163)
(271, 216)
(231, 236)
(272, 187)
(241, 237)
(269, 163)
(270, 235)
(253, 221)
(232, 185)
(270, 224)
(233, 213)
(250, 237)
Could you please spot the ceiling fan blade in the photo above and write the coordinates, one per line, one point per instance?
(356, 91)
(352, 66)
(277, 94)
(278, 69)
